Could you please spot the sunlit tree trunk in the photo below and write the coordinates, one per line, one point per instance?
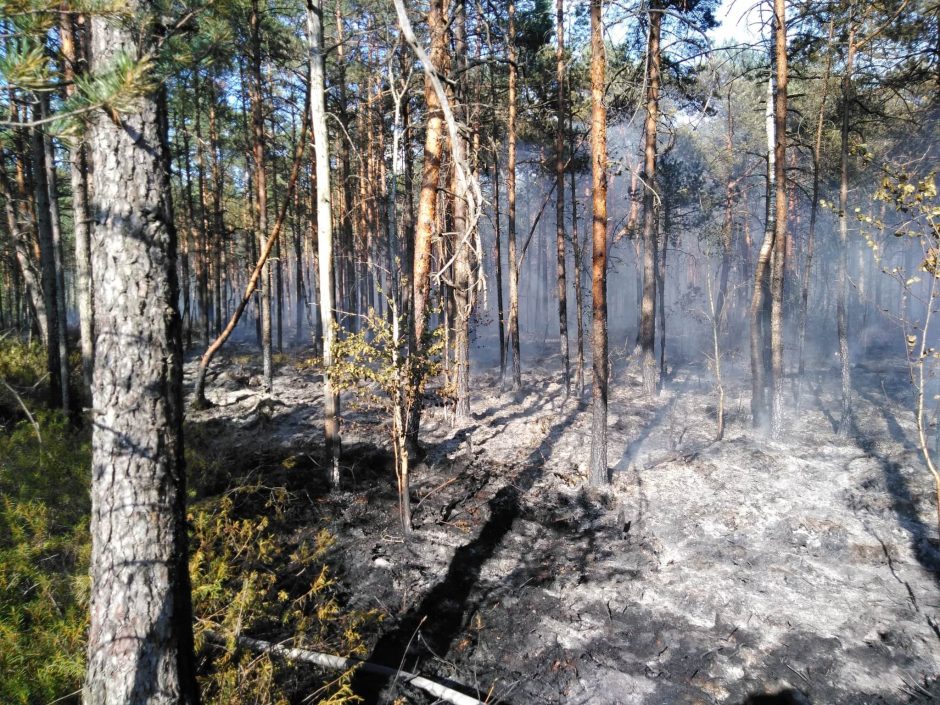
(140, 639)
(463, 295)
(598, 468)
(778, 267)
(79, 168)
(256, 94)
(516, 359)
(647, 338)
(324, 230)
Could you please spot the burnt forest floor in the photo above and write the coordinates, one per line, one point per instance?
(804, 570)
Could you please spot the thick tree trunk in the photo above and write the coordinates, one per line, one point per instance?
(140, 640)
(324, 231)
(778, 268)
(516, 359)
(598, 470)
(562, 285)
(647, 338)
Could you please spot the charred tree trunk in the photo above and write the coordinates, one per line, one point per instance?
(778, 268)
(511, 205)
(140, 639)
(562, 285)
(598, 469)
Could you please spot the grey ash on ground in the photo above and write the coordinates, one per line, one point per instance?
(745, 571)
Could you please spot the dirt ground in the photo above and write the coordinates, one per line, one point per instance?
(742, 571)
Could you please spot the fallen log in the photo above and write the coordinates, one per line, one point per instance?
(324, 660)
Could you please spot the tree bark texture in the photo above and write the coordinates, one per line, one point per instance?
(140, 643)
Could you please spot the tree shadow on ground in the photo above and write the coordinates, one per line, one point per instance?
(440, 616)
(903, 501)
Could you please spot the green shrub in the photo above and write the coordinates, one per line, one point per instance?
(44, 553)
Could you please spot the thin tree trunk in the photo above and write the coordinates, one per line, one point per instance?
(324, 231)
(463, 294)
(598, 472)
(140, 639)
(562, 285)
(44, 221)
(511, 205)
(813, 212)
(79, 169)
(647, 339)
(578, 258)
(199, 397)
(778, 267)
(58, 262)
(842, 318)
(261, 190)
(759, 411)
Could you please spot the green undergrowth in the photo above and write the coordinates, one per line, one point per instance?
(253, 573)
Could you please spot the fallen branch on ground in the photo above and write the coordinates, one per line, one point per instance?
(342, 663)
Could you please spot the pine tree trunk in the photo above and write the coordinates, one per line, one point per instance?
(647, 338)
(562, 285)
(778, 266)
(463, 295)
(79, 167)
(842, 318)
(324, 231)
(759, 411)
(578, 252)
(427, 203)
(598, 472)
(261, 190)
(511, 206)
(813, 213)
(140, 640)
(44, 222)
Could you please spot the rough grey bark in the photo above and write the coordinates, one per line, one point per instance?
(140, 642)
